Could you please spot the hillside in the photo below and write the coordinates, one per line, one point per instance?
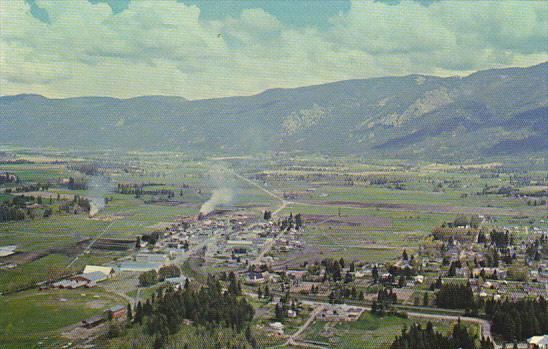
(489, 113)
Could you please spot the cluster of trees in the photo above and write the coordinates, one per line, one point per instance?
(11, 213)
(152, 277)
(532, 250)
(77, 184)
(151, 238)
(452, 272)
(6, 177)
(264, 294)
(473, 221)
(501, 238)
(281, 310)
(384, 302)
(77, 202)
(138, 190)
(518, 320)
(339, 294)
(148, 278)
(425, 300)
(450, 235)
(426, 338)
(536, 202)
(492, 258)
(345, 178)
(455, 296)
(16, 209)
(291, 222)
(333, 269)
(87, 169)
(207, 306)
(405, 271)
(28, 187)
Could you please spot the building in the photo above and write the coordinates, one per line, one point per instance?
(81, 280)
(7, 177)
(538, 342)
(151, 258)
(93, 321)
(108, 271)
(140, 266)
(254, 278)
(90, 279)
(177, 282)
(7, 250)
(69, 284)
(116, 312)
(419, 279)
(489, 272)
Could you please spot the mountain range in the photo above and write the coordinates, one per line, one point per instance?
(497, 112)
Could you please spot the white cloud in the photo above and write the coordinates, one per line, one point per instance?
(164, 48)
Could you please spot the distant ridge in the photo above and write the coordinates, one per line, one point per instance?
(488, 113)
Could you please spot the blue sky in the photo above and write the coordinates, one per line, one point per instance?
(205, 48)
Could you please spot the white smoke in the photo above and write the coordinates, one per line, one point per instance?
(96, 205)
(223, 196)
(98, 187)
(224, 191)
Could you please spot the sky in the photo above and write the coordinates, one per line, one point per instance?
(205, 49)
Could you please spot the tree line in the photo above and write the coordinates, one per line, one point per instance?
(208, 306)
(518, 320)
(417, 337)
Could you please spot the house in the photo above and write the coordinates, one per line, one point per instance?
(489, 272)
(304, 287)
(254, 278)
(538, 342)
(291, 313)
(6, 177)
(81, 280)
(116, 312)
(90, 279)
(177, 282)
(69, 284)
(108, 271)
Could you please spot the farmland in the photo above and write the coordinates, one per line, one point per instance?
(361, 211)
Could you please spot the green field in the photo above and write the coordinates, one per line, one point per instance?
(369, 332)
(31, 317)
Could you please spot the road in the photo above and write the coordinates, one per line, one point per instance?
(485, 325)
(283, 202)
(91, 244)
(293, 339)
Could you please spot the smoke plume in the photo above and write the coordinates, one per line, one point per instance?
(223, 196)
(98, 187)
(224, 191)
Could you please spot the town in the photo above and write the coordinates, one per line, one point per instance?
(482, 275)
